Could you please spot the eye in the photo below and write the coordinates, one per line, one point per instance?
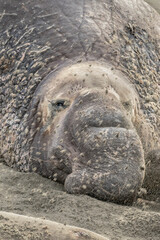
(60, 103)
(127, 105)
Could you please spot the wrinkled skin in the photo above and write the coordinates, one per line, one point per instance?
(85, 102)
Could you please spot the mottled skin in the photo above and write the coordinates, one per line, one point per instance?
(92, 121)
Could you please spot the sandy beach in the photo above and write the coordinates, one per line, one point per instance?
(32, 195)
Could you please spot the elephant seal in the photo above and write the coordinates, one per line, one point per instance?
(80, 92)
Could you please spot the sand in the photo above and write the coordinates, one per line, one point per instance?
(15, 226)
(31, 195)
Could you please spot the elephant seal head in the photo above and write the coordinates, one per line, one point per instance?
(83, 122)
